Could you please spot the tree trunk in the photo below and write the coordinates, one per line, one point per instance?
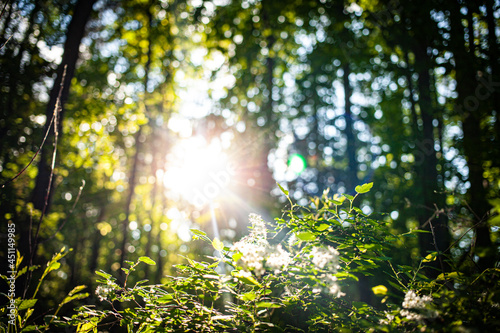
(42, 194)
(138, 148)
(471, 125)
(438, 239)
(352, 170)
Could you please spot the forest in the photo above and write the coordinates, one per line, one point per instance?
(249, 166)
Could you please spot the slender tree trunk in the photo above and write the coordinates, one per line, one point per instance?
(493, 56)
(138, 149)
(96, 242)
(41, 195)
(76, 31)
(438, 239)
(352, 169)
(472, 138)
(132, 182)
(152, 217)
(352, 178)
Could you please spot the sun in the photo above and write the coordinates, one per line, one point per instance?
(198, 170)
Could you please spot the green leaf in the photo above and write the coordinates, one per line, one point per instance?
(430, 257)
(147, 260)
(306, 236)
(267, 305)
(88, 327)
(217, 244)
(26, 304)
(237, 256)
(250, 296)
(282, 189)
(364, 188)
(198, 232)
(322, 227)
(72, 298)
(350, 197)
(165, 298)
(245, 277)
(103, 274)
(380, 290)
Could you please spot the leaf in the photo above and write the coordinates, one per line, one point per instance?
(282, 189)
(267, 305)
(350, 197)
(322, 227)
(147, 260)
(250, 296)
(52, 266)
(217, 244)
(103, 274)
(199, 234)
(364, 188)
(380, 290)
(430, 257)
(165, 298)
(237, 256)
(87, 327)
(245, 277)
(72, 298)
(419, 231)
(76, 290)
(26, 304)
(306, 236)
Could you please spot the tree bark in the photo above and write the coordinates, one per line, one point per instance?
(472, 139)
(438, 239)
(42, 194)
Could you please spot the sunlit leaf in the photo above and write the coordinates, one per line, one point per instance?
(379, 290)
(217, 244)
(364, 188)
(306, 236)
(147, 260)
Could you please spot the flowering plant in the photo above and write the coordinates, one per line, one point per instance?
(305, 273)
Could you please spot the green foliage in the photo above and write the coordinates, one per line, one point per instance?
(19, 317)
(300, 282)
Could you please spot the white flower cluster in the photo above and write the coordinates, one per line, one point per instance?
(327, 259)
(257, 255)
(103, 292)
(278, 259)
(252, 254)
(390, 317)
(322, 257)
(413, 301)
(256, 251)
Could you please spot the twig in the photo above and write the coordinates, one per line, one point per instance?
(1, 47)
(56, 134)
(33, 158)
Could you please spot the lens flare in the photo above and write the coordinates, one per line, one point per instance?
(297, 163)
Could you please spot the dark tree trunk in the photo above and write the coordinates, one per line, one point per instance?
(138, 149)
(352, 170)
(495, 72)
(438, 239)
(352, 178)
(41, 196)
(472, 138)
(96, 242)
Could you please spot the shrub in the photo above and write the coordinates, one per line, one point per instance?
(300, 275)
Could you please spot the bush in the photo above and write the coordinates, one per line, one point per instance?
(300, 275)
